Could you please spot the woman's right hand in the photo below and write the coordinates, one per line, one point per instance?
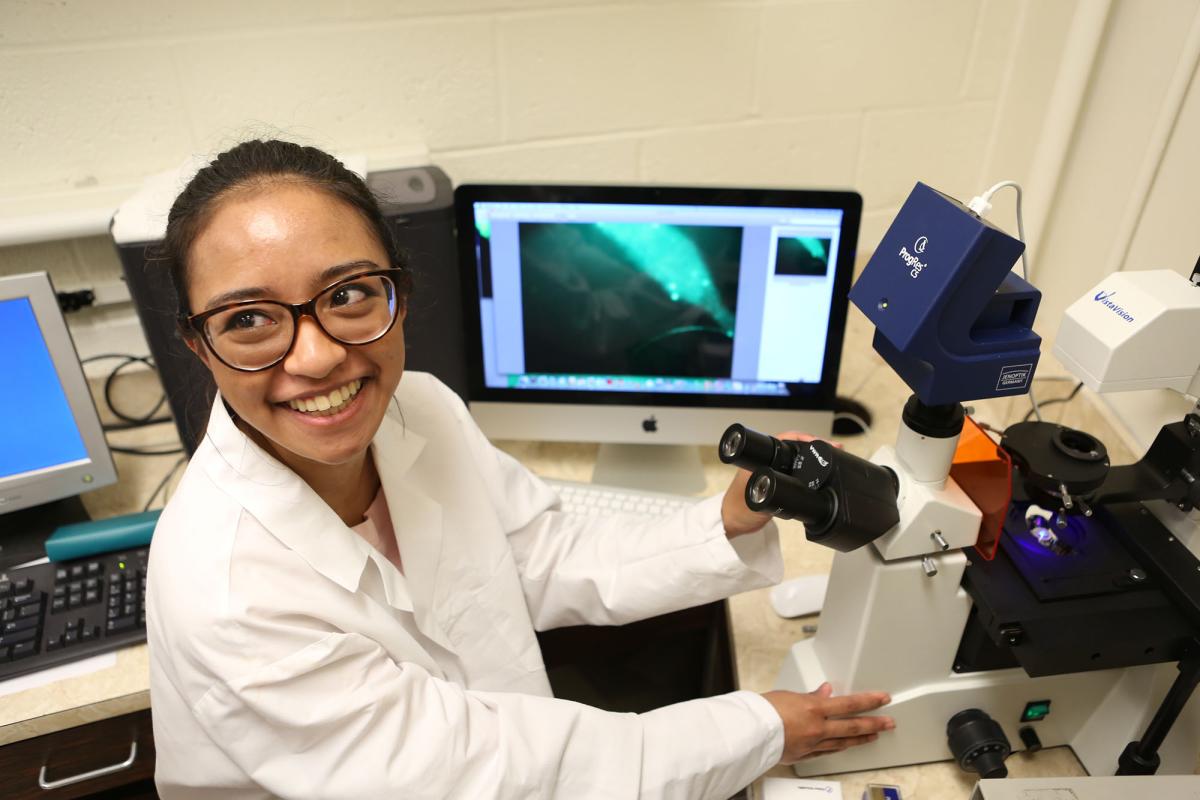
(818, 723)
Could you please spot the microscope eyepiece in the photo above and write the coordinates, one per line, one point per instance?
(787, 498)
(809, 462)
(760, 490)
(750, 449)
(844, 501)
(731, 443)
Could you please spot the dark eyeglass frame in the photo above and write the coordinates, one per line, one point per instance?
(400, 277)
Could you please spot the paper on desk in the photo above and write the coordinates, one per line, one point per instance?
(74, 669)
(800, 789)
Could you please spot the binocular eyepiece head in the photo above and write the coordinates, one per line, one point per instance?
(844, 501)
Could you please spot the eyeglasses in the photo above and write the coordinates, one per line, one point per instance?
(254, 335)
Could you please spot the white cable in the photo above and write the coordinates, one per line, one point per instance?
(981, 205)
(852, 417)
(1037, 412)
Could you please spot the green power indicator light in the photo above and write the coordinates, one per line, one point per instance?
(120, 565)
(1035, 711)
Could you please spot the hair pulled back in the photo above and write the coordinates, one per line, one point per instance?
(255, 164)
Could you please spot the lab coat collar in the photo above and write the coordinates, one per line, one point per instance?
(416, 520)
(282, 503)
(287, 507)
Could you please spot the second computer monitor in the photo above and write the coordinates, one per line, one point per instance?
(653, 315)
(51, 442)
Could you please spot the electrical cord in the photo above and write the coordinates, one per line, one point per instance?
(128, 421)
(129, 426)
(855, 418)
(163, 483)
(981, 205)
(985, 426)
(138, 451)
(1036, 410)
(108, 384)
(131, 421)
(1056, 400)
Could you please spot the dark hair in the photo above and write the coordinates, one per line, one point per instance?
(254, 164)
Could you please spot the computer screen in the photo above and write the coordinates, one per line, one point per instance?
(650, 314)
(51, 442)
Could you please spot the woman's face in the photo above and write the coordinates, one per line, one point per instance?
(287, 241)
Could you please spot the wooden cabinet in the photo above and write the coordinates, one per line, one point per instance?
(112, 758)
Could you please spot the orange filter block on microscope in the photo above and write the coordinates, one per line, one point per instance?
(984, 472)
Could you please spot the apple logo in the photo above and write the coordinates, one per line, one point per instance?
(650, 424)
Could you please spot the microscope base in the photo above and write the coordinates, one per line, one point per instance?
(887, 625)
(1096, 713)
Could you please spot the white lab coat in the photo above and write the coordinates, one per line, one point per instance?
(280, 667)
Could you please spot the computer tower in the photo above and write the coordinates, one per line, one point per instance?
(418, 203)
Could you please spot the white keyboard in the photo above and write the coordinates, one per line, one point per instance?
(593, 499)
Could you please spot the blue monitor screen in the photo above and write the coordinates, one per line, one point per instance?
(680, 299)
(37, 428)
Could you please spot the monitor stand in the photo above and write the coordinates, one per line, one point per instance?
(674, 469)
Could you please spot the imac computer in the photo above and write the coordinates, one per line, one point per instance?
(647, 317)
(52, 446)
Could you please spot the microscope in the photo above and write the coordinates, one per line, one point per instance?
(1038, 596)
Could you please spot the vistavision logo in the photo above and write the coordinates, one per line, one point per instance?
(915, 265)
(1102, 298)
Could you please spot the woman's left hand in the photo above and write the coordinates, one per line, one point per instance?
(736, 515)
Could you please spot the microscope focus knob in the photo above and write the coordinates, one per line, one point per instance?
(978, 743)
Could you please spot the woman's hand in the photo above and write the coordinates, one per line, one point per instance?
(808, 729)
(736, 515)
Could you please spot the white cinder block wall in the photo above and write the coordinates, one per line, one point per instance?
(868, 94)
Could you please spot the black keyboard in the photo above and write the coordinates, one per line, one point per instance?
(63, 611)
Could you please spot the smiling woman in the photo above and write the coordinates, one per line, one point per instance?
(342, 600)
(285, 255)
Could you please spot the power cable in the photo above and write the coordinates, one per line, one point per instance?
(163, 484)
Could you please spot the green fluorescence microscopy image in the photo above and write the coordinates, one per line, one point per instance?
(802, 255)
(629, 298)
